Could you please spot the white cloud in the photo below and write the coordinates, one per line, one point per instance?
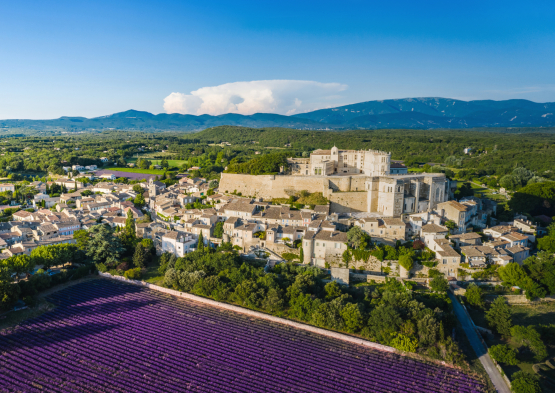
(271, 96)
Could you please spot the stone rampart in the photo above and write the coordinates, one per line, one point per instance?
(348, 202)
(281, 186)
(272, 186)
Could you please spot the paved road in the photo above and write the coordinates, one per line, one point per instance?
(479, 347)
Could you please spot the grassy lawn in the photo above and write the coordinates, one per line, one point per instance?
(14, 318)
(138, 170)
(525, 315)
(482, 192)
(172, 163)
(152, 276)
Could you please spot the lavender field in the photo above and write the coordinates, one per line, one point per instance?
(106, 336)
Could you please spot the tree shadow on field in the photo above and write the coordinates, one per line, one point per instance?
(34, 336)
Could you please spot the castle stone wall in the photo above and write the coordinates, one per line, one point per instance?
(347, 194)
(272, 186)
(348, 202)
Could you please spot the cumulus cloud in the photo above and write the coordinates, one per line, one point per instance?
(285, 97)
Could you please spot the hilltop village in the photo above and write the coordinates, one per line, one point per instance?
(364, 191)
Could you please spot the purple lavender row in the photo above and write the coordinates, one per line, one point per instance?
(125, 315)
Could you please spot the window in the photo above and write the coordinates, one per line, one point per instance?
(337, 245)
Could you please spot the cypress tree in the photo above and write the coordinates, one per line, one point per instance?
(200, 242)
(499, 316)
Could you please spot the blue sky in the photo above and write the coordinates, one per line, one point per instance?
(83, 58)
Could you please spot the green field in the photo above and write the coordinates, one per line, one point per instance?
(482, 192)
(138, 170)
(525, 315)
(176, 163)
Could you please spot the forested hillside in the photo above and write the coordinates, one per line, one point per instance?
(493, 151)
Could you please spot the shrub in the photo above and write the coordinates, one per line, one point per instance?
(404, 343)
(503, 353)
(289, 256)
(433, 273)
(101, 267)
(123, 266)
(406, 262)
(133, 274)
(525, 383)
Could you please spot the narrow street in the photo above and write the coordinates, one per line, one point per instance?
(479, 347)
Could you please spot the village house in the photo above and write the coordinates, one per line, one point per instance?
(7, 187)
(456, 212)
(179, 243)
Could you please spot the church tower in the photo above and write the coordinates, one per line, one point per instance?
(151, 188)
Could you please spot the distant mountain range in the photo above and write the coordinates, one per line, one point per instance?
(415, 113)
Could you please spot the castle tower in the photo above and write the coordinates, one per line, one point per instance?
(335, 157)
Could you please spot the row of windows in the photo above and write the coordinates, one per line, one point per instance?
(336, 245)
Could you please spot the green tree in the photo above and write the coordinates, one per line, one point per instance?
(200, 244)
(352, 317)
(439, 284)
(474, 295)
(332, 290)
(164, 163)
(103, 246)
(9, 291)
(140, 257)
(346, 258)
(219, 229)
(301, 254)
(357, 237)
(138, 189)
(451, 225)
(82, 238)
(524, 382)
(535, 199)
(530, 337)
(509, 182)
(383, 323)
(20, 264)
(499, 317)
(512, 274)
(139, 201)
(128, 236)
(503, 353)
(547, 243)
(43, 255)
(404, 343)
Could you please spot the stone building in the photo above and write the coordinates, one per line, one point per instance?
(335, 161)
(325, 245)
